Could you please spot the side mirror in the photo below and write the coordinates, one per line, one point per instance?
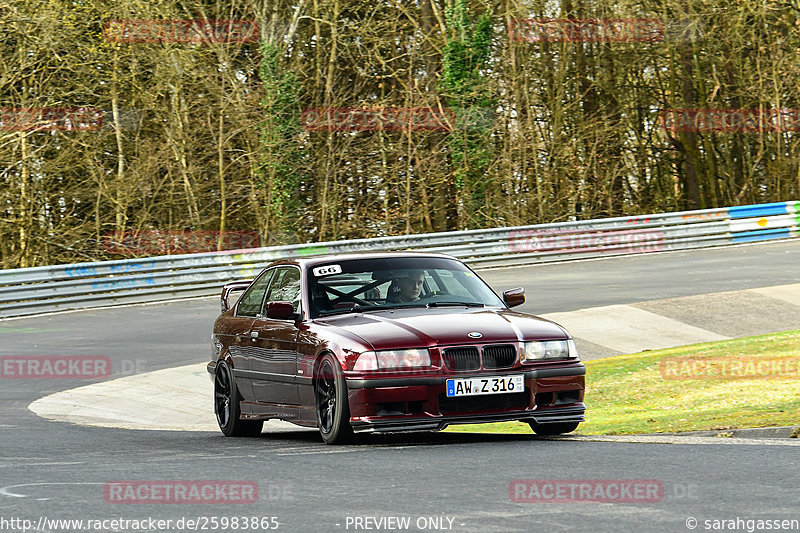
(514, 297)
(228, 288)
(280, 310)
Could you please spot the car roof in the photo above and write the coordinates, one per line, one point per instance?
(327, 258)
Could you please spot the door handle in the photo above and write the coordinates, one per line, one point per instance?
(254, 334)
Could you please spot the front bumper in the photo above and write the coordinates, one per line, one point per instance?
(419, 403)
(569, 414)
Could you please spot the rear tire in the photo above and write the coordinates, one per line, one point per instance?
(226, 406)
(554, 429)
(333, 409)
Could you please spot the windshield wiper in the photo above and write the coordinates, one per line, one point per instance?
(458, 304)
(358, 308)
(395, 306)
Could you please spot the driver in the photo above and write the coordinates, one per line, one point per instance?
(406, 289)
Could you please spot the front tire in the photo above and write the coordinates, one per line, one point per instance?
(226, 406)
(333, 409)
(554, 429)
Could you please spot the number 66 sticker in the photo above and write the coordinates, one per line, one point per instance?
(327, 270)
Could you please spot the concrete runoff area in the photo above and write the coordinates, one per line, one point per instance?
(787, 293)
(627, 329)
(619, 329)
(137, 402)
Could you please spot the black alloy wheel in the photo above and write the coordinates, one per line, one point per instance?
(226, 406)
(333, 411)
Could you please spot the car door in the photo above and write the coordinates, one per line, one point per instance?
(240, 344)
(273, 366)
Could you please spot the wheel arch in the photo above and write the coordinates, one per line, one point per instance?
(318, 359)
(228, 360)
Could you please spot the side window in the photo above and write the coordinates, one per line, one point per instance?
(285, 287)
(250, 302)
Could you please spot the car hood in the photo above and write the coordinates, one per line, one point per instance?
(417, 328)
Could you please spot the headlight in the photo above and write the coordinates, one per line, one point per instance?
(549, 350)
(392, 359)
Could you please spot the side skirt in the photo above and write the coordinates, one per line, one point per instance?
(302, 416)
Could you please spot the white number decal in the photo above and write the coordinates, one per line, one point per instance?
(327, 270)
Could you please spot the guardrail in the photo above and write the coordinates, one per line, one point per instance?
(37, 290)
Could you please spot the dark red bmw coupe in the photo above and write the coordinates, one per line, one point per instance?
(387, 342)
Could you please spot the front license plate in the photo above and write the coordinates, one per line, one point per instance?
(485, 385)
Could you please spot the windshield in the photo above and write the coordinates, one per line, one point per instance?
(371, 284)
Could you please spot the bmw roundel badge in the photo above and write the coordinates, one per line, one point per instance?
(474, 335)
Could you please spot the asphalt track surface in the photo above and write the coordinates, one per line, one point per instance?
(56, 470)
